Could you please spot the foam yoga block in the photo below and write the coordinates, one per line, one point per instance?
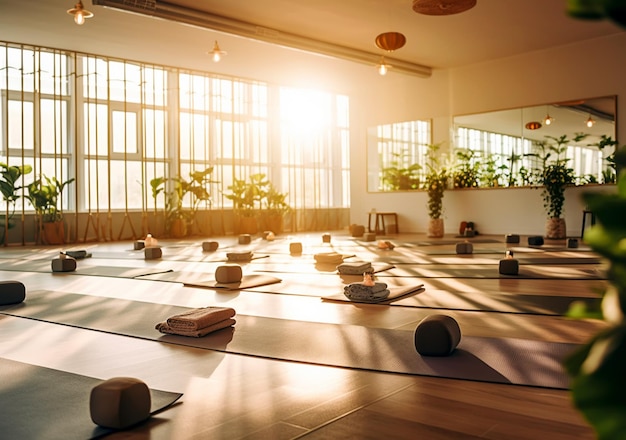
(512, 238)
(210, 246)
(326, 238)
(152, 253)
(245, 239)
(63, 264)
(369, 236)
(535, 240)
(572, 243)
(78, 255)
(509, 266)
(119, 403)
(437, 335)
(239, 256)
(357, 230)
(11, 292)
(464, 248)
(228, 274)
(139, 245)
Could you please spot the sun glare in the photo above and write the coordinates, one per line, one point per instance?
(305, 111)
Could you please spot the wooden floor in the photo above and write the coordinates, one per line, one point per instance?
(229, 396)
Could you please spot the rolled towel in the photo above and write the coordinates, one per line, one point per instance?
(328, 257)
(197, 319)
(361, 292)
(354, 268)
(163, 327)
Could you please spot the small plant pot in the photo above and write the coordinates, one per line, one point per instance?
(555, 228)
(435, 228)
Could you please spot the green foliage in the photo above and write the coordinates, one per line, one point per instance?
(9, 177)
(466, 171)
(597, 369)
(436, 182)
(401, 174)
(250, 197)
(44, 195)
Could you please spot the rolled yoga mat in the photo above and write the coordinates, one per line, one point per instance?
(498, 360)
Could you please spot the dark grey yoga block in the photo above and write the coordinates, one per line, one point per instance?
(210, 246)
(509, 266)
(119, 403)
(11, 292)
(67, 264)
(152, 253)
(464, 248)
(572, 243)
(139, 245)
(230, 273)
(535, 240)
(512, 238)
(78, 255)
(437, 335)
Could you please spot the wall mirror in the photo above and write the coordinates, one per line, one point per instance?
(500, 148)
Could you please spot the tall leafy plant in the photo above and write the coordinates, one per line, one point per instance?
(9, 187)
(436, 181)
(598, 368)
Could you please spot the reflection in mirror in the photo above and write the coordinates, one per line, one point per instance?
(396, 154)
(511, 147)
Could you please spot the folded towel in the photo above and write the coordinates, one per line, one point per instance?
(198, 319)
(329, 257)
(361, 292)
(163, 327)
(239, 256)
(354, 268)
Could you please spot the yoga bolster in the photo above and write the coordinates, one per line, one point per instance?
(326, 238)
(437, 335)
(11, 292)
(509, 266)
(245, 239)
(67, 264)
(139, 245)
(210, 246)
(295, 248)
(228, 274)
(535, 240)
(152, 253)
(369, 236)
(119, 403)
(464, 248)
(572, 243)
(512, 238)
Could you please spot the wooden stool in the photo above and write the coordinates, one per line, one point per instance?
(593, 220)
(379, 222)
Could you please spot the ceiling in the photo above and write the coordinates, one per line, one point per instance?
(493, 29)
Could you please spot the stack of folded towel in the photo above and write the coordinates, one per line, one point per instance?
(361, 292)
(354, 268)
(328, 258)
(198, 322)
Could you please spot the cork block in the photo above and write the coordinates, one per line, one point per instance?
(464, 248)
(152, 253)
(210, 246)
(245, 239)
(325, 238)
(119, 403)
(357, 230)
(63, 264)
(535, 240)
(11, 292)
(512, 238)
(509, 266)
(295, 248)
(369, 236)
(230, 273)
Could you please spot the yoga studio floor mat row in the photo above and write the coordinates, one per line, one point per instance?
(101, 271)
(499, 360)
(43, 403)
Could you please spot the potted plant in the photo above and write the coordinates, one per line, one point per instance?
(247, 197)
(436, 182)
(44, 194)
(178, 218)
(466, 172)
(275, 207)
(401, 174)
(554, 177)
(9, 176)
(597, 368)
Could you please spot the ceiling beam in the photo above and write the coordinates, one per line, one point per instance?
(206, 20)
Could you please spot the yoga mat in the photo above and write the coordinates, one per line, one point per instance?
(524, 304)
(199, 279)
(42, 403)
(499, 360)
(395, 294)
(100, 271)
(311, 267)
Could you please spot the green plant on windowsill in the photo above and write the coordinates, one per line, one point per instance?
(9, 177)
(597, 369)
(44, 194)
(466, 170)
(247, 195)
(400, 174)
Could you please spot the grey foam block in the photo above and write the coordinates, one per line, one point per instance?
(152, 253)
(509, 266)
(12, 292)
(437, 335)
(464, 248)
(119, 403)
(535, 240)
(512, 238)
(210, 246)
(230, 273)
(245, 239)
(67, 264)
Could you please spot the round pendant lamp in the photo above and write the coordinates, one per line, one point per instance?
(390, 41)
(442, 7)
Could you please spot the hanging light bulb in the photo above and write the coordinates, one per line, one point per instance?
(80, 13)
(548, 120)
(216, 53)
(383, 67)
(590, 122)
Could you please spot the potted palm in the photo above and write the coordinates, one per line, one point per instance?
(247, 197)
(435, 185)
(44, 194)
(9, 176)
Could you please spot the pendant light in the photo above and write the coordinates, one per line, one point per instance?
(590, 122)
(388, 41)
(80, 13)
(216, 53)
(383, 67)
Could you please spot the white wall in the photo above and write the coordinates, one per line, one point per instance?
(590, 69)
